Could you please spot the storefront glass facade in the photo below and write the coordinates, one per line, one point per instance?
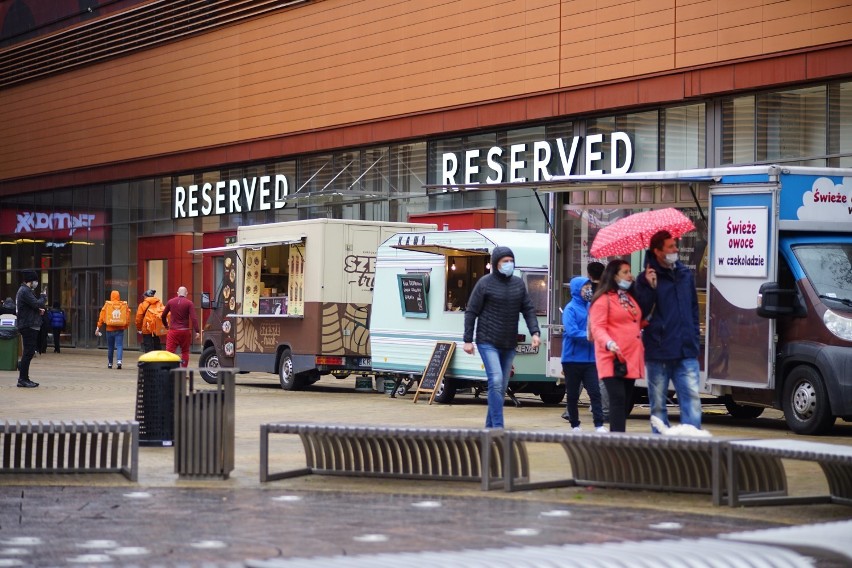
(84, 240)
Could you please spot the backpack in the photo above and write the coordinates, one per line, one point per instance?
(152, 323)
(57, 319)
(115, 313)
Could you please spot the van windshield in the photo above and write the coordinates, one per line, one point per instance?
(829, 269)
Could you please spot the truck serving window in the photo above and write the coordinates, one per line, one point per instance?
(828, 268)
(537, 287)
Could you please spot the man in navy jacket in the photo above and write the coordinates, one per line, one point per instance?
(666, 291)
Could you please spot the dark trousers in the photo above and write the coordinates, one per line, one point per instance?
(578, 376)
(29, 337)
(620, 391)
(151, 343)
(57, 332)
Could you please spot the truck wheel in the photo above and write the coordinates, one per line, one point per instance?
(446, 391)
(552, 397)
(805, 402)
(741, 411)
(289, 380)
(209, 360)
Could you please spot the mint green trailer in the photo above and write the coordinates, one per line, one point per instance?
(423, 281)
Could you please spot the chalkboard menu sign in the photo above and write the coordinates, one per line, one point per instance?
(433, 374)
(413, 292)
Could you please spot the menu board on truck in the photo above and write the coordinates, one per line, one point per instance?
(296, 286)
(251, 293)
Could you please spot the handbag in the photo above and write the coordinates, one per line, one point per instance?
(619, 368)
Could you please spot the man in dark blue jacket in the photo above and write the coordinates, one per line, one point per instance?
(666, 291)
(493, 308)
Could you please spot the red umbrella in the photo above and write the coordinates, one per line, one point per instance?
(634, 232)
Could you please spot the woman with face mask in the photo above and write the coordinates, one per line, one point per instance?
(493, 310)
(578, 356)
(616, 324)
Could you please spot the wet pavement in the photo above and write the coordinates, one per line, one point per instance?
(163, 520)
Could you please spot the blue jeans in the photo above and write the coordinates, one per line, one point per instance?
(498, 369)
(115, 340)
(683, 373)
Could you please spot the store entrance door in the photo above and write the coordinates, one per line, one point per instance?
(86, 301)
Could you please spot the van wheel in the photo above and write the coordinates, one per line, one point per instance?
(741, 411)
(446, 391)
(289, 380)
(805, 402)
(209, 360)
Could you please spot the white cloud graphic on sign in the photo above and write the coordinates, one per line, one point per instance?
(826, 201)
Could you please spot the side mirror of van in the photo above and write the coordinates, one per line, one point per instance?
(773, 301)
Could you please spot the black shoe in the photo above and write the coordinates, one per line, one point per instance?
(118, 366)
(109, 365)
(565, 416)
(27, 384)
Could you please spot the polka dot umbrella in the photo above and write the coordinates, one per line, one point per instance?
(634, 232)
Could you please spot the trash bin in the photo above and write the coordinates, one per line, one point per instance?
(9, 343)
(155, 398)
(204, 424)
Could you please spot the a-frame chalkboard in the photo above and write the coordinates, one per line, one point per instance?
(433, 374)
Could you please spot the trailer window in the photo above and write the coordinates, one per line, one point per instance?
(828, 268)
(463, 272)
(537, 287)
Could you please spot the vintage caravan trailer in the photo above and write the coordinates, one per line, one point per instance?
(423, 281)
(294, 299)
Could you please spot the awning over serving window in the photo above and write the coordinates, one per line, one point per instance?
(243, 246)
(443, 250)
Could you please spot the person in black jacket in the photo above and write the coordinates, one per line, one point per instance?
(30, 311)
(493, 309)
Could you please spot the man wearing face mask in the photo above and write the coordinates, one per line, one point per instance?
(666, 291)
(30, 311)
(493, 309)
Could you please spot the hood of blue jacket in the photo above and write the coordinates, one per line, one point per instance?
(576, 285)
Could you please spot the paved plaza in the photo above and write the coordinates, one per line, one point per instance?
(162, 520)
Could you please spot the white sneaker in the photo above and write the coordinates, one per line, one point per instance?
(602, 429)
(577, 429)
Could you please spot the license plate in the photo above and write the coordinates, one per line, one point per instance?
(527, 349)
(365, 362)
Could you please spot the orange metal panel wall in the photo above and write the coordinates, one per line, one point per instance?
(337, 62)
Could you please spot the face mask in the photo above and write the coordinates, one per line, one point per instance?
(33, 285)
(671, 258)
(624, 284)
(507, 268)
(587, 294)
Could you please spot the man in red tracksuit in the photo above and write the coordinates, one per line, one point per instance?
(182, 312)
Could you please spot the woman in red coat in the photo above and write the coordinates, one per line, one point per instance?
(616, 323)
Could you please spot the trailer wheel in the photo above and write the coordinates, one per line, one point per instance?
(741, 411)
(552, 397)
(209, 360)
(289, 380)
(446, 391)
(805, 402)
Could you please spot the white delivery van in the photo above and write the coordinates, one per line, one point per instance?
(423, 282)
(294, 299)
(775, 284)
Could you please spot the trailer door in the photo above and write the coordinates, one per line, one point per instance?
(740, 346)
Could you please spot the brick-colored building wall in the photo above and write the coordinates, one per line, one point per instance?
(341, 65)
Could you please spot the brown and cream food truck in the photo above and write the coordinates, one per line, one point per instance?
(294, 299)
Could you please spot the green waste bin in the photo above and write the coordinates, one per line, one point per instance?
(9, 343)
(155, 398)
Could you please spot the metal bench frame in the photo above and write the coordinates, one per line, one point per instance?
(70, 447)
(402, 453)
(654, 462)
(835, 462)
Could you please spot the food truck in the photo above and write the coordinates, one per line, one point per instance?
(424, 279)
(773, 264)
(294, 299)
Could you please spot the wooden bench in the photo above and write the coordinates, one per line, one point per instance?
(654, 462)
(835, 462)
(404, 453)
(70, 447)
